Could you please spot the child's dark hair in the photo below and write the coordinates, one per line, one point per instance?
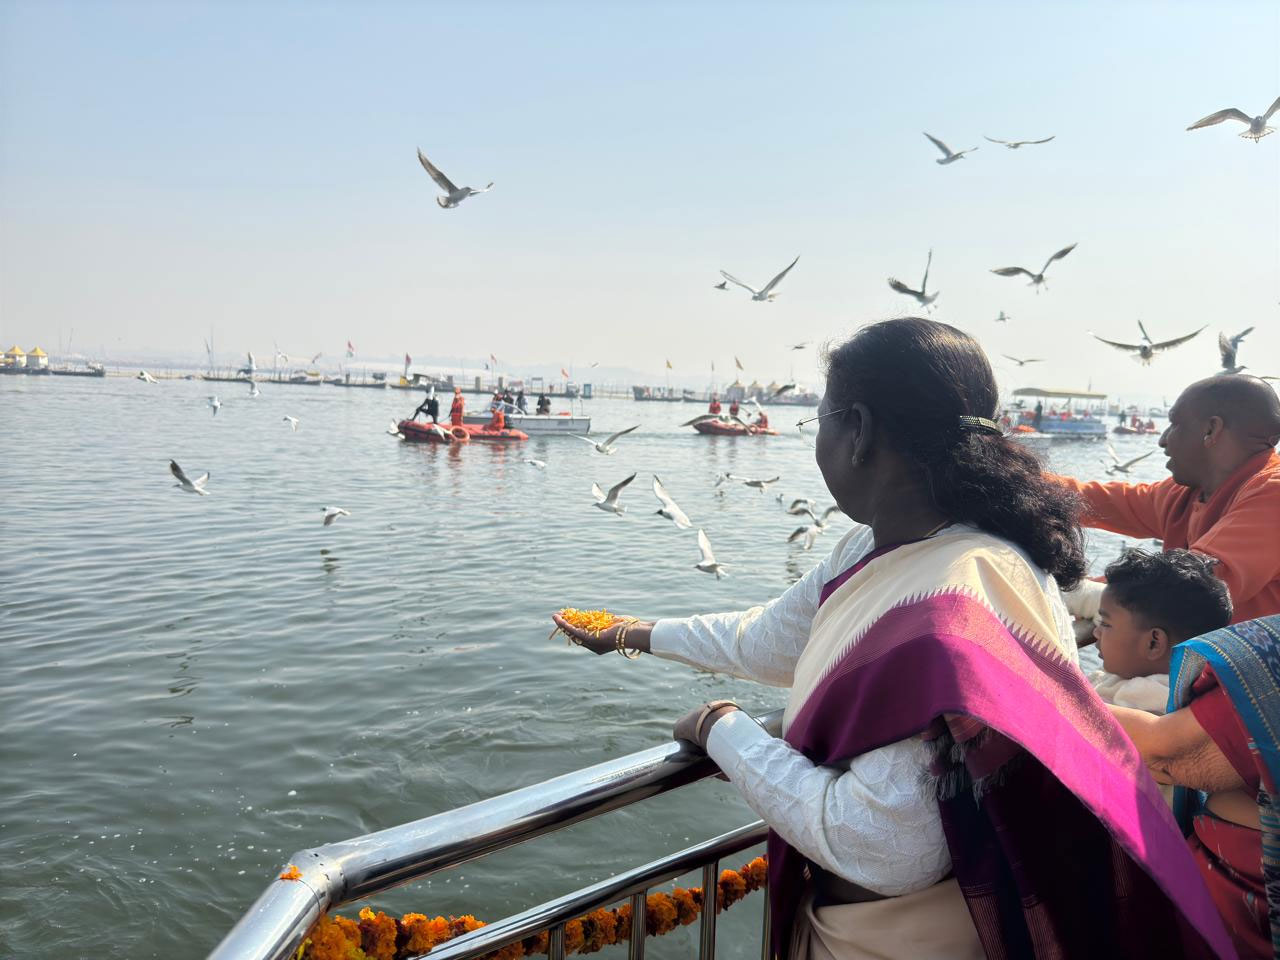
(1174, 590)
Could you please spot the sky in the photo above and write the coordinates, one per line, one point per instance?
(172, 169)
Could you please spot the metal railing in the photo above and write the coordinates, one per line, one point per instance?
(338, 873)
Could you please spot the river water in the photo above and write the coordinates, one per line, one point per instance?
(195, 687)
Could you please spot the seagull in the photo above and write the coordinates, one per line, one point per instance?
(606, 447)
(920, 296)
(1146, 350)
(333, 513)
(394, 430)
(1023, 363)
(1227, 346)
(808, 533)
(453, 195)
(1002, 318)
(215, 405)
(781, 390)
(722, 285)
(145, 377)
(722, 477)
(1037, 279)
(1257, 125)
(293, 422)
(765, 294)
(947, 155)
(191, 486)
(1015, 144)
(609, 503)
(253, 389)
(702, 418)
(801, 506)
(540, 464)
(800, 346)
(1116, 466)
(669, 508)
(708, 563)
(760, 485)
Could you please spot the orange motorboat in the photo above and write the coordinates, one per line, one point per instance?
(416, 432)
(732, 428)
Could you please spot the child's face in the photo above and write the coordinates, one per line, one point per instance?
(1127, 645)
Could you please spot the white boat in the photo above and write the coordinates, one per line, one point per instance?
(536, 426)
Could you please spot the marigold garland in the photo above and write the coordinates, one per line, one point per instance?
(594, 621)
(379, 936)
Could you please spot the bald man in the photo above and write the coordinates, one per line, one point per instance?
(1222, 497)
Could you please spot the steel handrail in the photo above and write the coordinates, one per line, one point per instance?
(337, 873)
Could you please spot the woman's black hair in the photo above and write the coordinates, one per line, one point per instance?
(919, 378)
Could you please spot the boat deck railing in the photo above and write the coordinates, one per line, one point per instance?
(339, 873)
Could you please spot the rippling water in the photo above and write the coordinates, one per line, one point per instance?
(195, 687)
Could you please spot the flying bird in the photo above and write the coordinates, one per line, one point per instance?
(609, 502)
(724, 477)
(540, 464)
(760, 485)
(394, 430)
(253, 389)
(702, 418)
(1228, 346)
(1002, 318)
(708, 563)
(781, 390)
(333, 513)
(722, 285)
(799, 346)
(454, 195)
(765, 294)
(293, 422)
(1146, 350)
(606, 446)
(669, 508)
(1015, 144)
(1116, 466)
(810, 532)
(1023, 363)
(947, 155)
(920, 296)
(1037, 279)
(1257, 125)
(145, 377)
(191, 486)
(215, 405)
(800, 506)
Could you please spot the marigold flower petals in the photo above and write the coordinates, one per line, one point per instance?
(292, 873)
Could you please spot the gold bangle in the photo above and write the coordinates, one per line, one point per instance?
(620, 641)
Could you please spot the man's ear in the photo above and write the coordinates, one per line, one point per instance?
(1213, 428)
(1158, 644)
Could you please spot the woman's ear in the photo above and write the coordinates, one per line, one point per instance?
(862, 426)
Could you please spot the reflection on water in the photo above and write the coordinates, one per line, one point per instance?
(198, 698)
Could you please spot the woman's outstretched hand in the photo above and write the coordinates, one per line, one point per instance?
(636, 638)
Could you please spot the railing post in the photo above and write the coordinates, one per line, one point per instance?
(639, 919)
(710, 901)
(766, 928)
(555, 943)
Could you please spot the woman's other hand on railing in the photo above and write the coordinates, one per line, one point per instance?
(695, 726)
(636, 636)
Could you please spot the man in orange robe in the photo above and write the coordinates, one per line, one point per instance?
(1222, 497)
(455, 411)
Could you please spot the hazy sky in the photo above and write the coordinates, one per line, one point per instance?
(166, 168)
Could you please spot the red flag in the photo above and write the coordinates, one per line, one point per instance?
(564, 373)
(351, 350)
(493, 359)
(407, 359)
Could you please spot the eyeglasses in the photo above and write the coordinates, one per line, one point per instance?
(830, 413)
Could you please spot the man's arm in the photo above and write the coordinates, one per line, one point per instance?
(1244, 542)
(1130, 509)
(1177, 750)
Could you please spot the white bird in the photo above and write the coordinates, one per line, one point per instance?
(606, 446)
(191, 486)
(540, 464)
(394, 430)
(722, 285)
(801, 345)
(293, 422)
(1002, 318)
(1257, 125)
(1037, 279)
(1023, 363)
(145, 377)
(215, 405)
(781, 390)
(801, 506)
(920, 296)
(1146, 350)
(1228, 347)
(708, 563)
(764, 294)
(253, 389)
(1015, 144)
(333, 513)
(809, 533)
(760, 485)
(609, 502)
(702, 418)
(947, 155)
(669, 508)
(1116, 466)
(454, 195)
(723, 477)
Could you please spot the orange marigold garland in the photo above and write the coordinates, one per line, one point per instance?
(379, 936)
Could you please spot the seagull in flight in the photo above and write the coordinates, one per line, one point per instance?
(702, 418)
(1116, 466)
(145, 377)
(801, 345)
(1257, 125)
(454, 195)
(609, 502)
(1037, 279)
(606, 446)
(1146, 350)
(722, 285)
(191, 486)
(253, 389)
(669, 508)
(724, 477)
(781, 390)
(760, 485)
(540, 464)
(809, 533)
(1023, 363)
(1001, 317)
(293, 422)
(215, 405)
(947, 155)
(393, 429)
(1227, 346)
(800, 506)
(708, 563)
(765, 294)
(1015, 144)
(333, 513)
(920, 296)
